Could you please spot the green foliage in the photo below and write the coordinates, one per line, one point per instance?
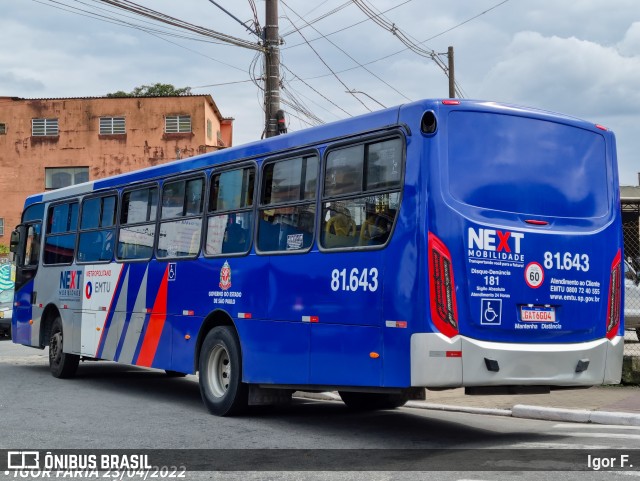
(119, 93)
(156, 90)
(4, 250)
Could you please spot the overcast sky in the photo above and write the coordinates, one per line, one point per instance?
(576, 57)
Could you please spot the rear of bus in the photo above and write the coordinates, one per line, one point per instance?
(524, 251)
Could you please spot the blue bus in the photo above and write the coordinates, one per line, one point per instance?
(438, 244)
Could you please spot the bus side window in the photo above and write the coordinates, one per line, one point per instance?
(230, 219)
(96, 229)
(359, 210)
(60, 239)
(287, 206)
(32, 246)
(137, 224)
(181, 219)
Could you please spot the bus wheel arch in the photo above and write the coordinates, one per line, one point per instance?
(62, 365)
(215, 319)
(49, 314)
(220, 367)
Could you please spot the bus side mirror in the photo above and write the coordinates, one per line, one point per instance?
(15, 240)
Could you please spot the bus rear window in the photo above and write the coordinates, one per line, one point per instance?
(529, 166)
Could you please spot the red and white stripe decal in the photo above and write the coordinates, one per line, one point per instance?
(310, 319)
(400, 324)
(244, 315)
(155, 326)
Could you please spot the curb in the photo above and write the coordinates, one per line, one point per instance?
(576, 415)
(461, 409)
(521, 411)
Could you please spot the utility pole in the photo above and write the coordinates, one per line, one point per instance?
(452, 79)
(273, 115)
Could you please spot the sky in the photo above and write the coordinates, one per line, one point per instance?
(580, 58)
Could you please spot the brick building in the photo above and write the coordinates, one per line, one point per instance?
(52, 143)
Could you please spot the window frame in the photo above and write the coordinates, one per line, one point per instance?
(207, 214)
(112, 120)
(119, 224)
(115, 226)
(202, 215)
(3, 128)
(45, 127)
(259, 207)
(46, 234)
(363, 192)
(66, 169)
(177, 118)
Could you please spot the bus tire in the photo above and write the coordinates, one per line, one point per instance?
(367, 401)
(220, 366)
(171, 373)
(61, 364)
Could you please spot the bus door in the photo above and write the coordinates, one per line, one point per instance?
(360, 200)
(25, 244)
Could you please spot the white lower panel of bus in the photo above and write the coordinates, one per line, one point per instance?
(437, 361)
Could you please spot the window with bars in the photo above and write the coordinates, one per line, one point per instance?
(3, 129)
(1, 226)
(44, 127)
(177, 124)
(112, 126)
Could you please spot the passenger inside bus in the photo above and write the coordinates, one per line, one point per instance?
(340, 229)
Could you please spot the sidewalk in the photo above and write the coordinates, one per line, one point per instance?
(619, 405)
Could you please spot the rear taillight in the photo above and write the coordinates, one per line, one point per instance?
(613, 305)
(444, 310)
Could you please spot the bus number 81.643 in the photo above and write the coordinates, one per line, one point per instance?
(367, 279)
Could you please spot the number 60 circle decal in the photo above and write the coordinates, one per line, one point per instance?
(534, 275)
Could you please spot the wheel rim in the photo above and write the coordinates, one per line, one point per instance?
(219, 370)
(55, 347)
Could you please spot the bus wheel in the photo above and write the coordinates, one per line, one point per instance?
(366, 401)
(221, 373)
(61, 364)
(171, 373)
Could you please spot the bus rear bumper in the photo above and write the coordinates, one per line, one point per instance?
(438, 361)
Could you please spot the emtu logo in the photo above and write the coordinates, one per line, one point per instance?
(495, 244)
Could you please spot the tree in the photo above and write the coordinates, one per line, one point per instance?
(156, 90)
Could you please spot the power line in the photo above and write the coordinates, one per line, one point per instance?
(167, 19)
(328, 67)
(404, 49)
(120, 22)
(386, 24)
(347, 54)
(223, 83)
(316, 91)
(257, 34)
(321, 17)
(347, 27)
(292, 88)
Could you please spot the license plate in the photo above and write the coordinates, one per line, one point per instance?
(537, 314)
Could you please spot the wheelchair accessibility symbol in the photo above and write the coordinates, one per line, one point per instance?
(491, 312)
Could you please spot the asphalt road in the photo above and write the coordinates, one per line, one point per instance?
(111, 406)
